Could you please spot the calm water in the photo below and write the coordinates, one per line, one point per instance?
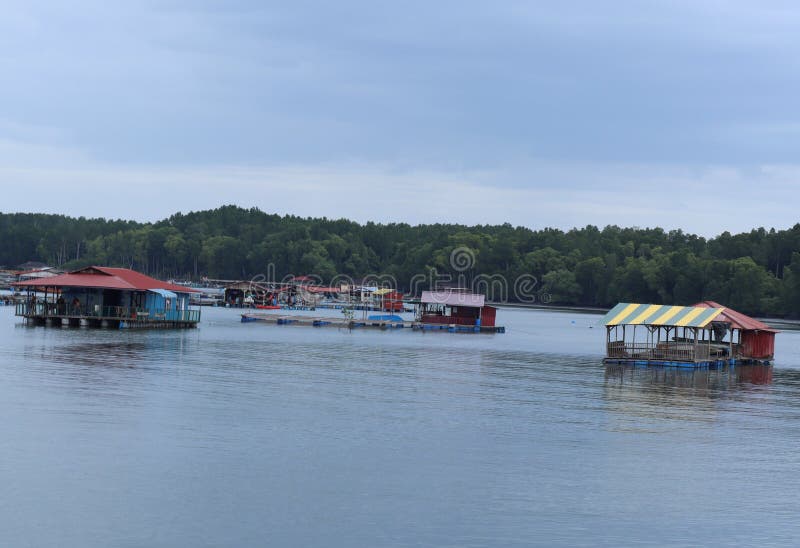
(253, 435)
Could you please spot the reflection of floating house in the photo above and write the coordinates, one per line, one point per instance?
(106, 297)
(457, 307)
(701, 335)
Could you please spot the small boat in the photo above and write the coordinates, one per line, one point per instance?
(268, 307)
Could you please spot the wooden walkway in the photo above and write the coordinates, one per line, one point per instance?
(344, 323)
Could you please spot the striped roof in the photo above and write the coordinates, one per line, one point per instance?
(657, 314)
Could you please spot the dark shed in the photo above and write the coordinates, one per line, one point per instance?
(756, 339)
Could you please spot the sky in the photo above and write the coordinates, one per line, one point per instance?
(678, 114)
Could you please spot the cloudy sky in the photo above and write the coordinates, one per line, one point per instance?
(680, 114)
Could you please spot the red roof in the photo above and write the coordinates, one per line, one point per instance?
(736, 319)
(102, 277)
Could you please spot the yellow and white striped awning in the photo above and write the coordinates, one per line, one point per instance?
(657, 314)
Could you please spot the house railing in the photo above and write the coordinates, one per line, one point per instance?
(668, 351)
(126, 313)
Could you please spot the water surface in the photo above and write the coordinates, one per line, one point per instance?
(253, 435)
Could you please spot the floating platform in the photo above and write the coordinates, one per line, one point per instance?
(384, 324)
(702, 364)
(113, 317)
(113, 322)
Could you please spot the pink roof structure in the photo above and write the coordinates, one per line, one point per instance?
(452, 297)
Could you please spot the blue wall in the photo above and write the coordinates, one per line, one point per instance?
(158, 305)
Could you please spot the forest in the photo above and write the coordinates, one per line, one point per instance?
(756, 272)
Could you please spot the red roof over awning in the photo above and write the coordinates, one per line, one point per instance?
(736, 319)
(101, 277)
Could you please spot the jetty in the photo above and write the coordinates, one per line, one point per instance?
(366, 323)
(450, 310)
(706, 334)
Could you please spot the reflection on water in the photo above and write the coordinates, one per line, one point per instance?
(657, 399)
(703, 381)
(250, 435)
(112, 354)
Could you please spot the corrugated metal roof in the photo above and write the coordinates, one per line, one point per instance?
(164, 293)
(452, 298)
(737, 319)
(657, 314)
(106, 278)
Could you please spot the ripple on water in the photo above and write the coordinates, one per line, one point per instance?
(234, 433)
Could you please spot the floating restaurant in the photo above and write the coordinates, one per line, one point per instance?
(706, 334)
(106, 297)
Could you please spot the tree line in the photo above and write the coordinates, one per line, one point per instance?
(757, 272)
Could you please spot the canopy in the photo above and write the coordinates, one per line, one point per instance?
(383, 291)
(164, 293)
(663, 315)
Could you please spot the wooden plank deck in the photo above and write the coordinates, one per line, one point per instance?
(344, 323)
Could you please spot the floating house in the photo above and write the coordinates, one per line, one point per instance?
(706, 334)
(239, 293)
(458, 308)
(106, 297)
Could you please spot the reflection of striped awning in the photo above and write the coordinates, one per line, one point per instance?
(657, 314)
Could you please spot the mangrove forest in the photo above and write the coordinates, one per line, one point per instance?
(757, 272)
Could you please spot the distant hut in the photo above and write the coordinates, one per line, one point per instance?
(238, 293)
(456, 307)
(38, 273)
(388, 300)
